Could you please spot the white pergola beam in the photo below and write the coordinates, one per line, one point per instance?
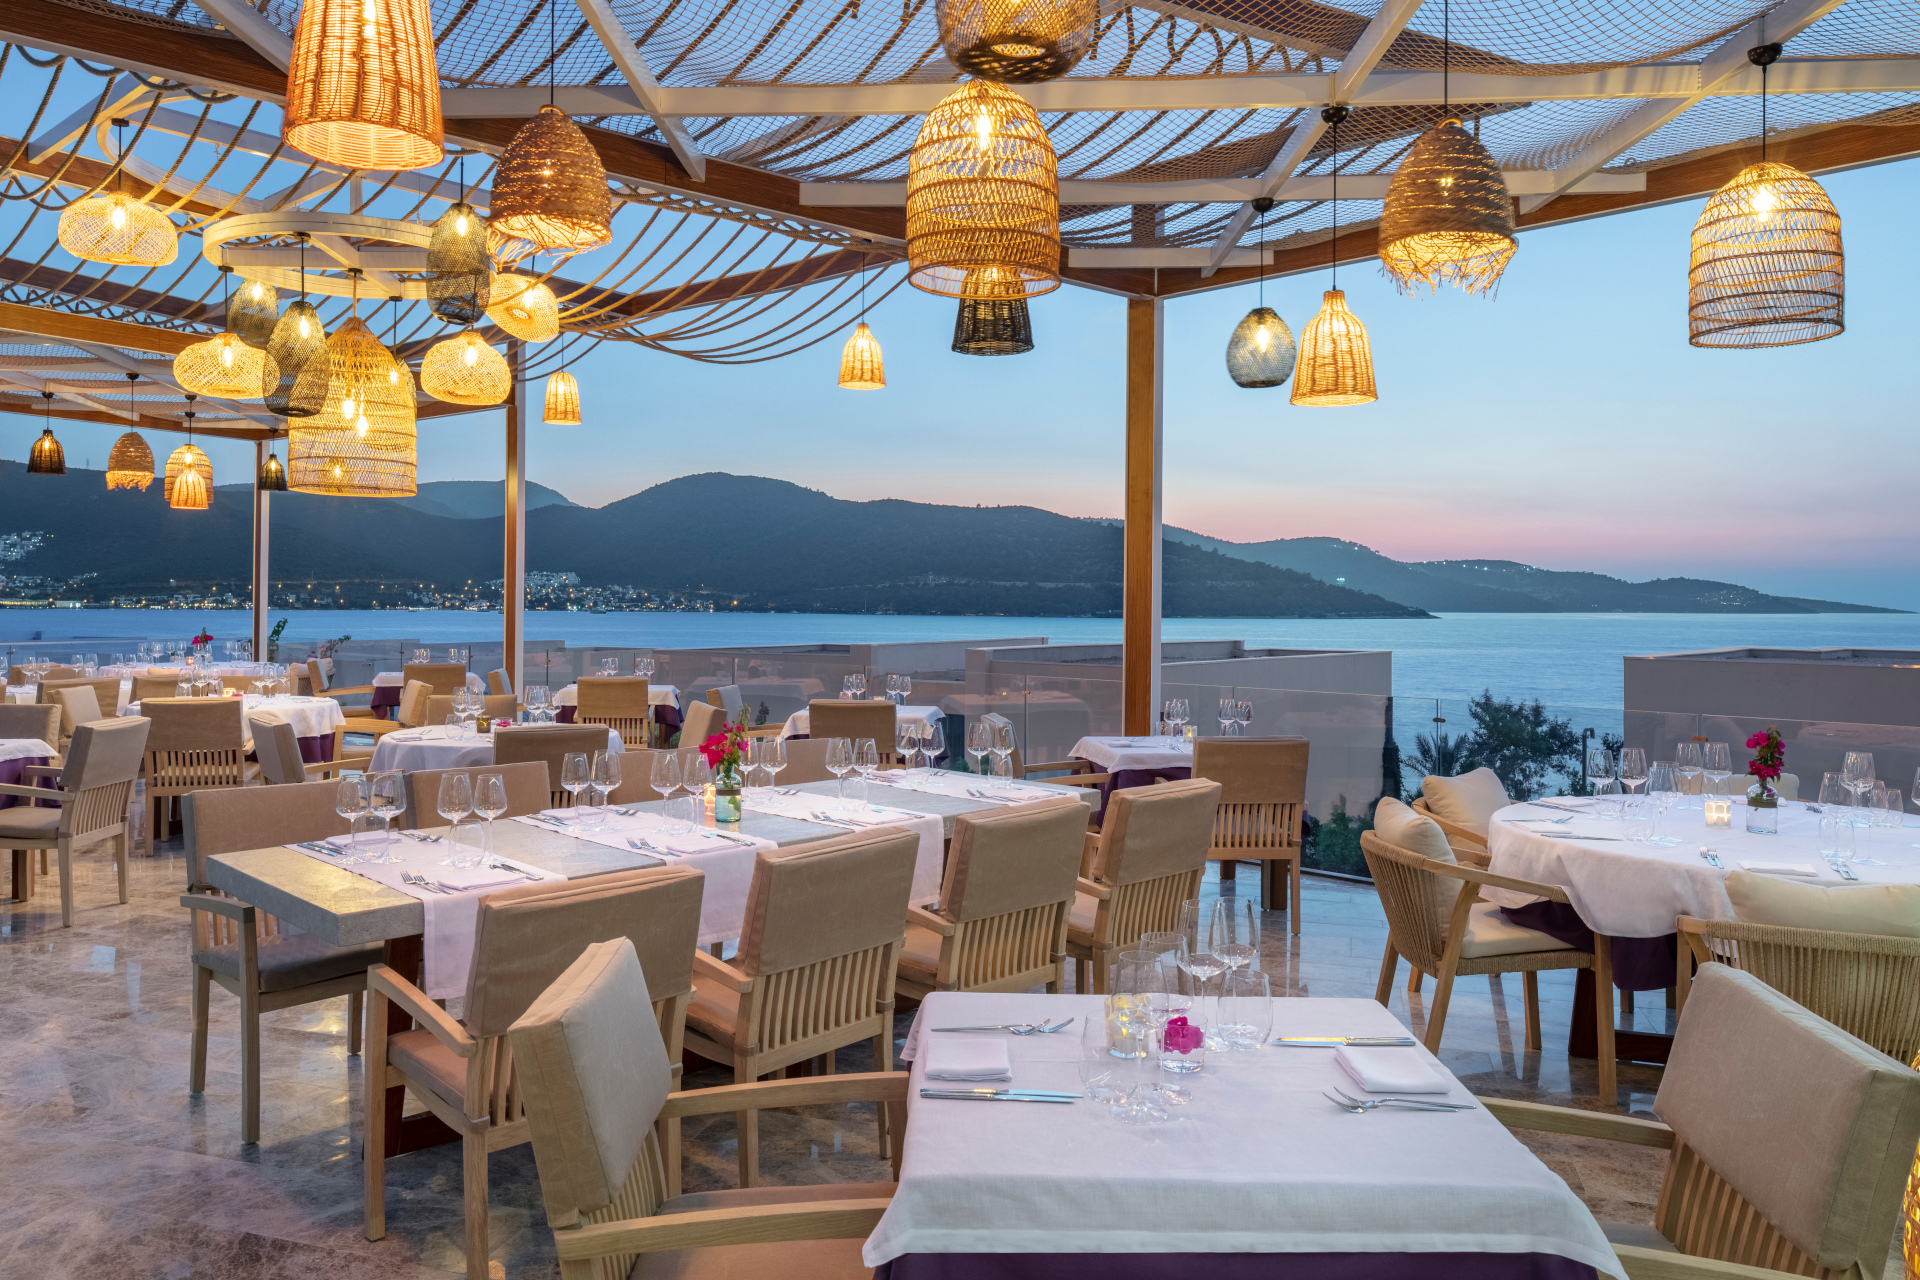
(127, 95)
(1725, 66)
(640, 81)
(244, 21)
(38, 385)
(1318, 186)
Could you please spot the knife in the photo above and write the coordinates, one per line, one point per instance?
(1356, 1042)
(996, 1095)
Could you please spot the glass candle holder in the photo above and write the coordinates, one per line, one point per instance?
(1719, 811)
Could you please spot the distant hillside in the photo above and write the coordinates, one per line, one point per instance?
(456, 499)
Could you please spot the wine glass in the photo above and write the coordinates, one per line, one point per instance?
(1716, 762)
(350, 801)
(980, 741)
(605, 776)
(1663, 784)
(387, 799)
(859, 684)
(665, 776)
(1857, 772)
(1245, 716)
(846, 688)
(906, 740)
(646, 667)
(1633, 768)
(933, 743)
(893, 689)
(839, 760)
(866, 757)
(1003, 750)
(454, 803)
(1686, 760)
(906, 689)
(1599, 773)
(1235, 931)
(489, 800)
(773, 758)
(698, 776)
(1229, 716)
(576, 774)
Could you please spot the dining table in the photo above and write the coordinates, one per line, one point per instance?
(313, 720)
(1136, 761)
(1257, 1162)
(443, 746)
(387, 687)
(317, 894)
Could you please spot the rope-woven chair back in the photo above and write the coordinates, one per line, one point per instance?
(1409, 894)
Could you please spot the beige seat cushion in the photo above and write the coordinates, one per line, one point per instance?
(296, 961)
(1469, 800)
(920, 958)
(1491, 934)
(714, 1009)
(1886, 910)
(19, 823)
(426, 1061)
(788, 1259)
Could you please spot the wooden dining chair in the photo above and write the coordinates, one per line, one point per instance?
(95, 781)
(1001, 922)
(439, 677)
(465, 1070)
(106, 697)
(39, 721)
(78, 705)
(727, 698)
(618, 702)
(1148, 859)
(550, 744)
(494, 706)
(152, 686)
(1438, 923)
(320, 684)
(1263, 792)
(196, 744)
(277, 751)
(528, 791)
(819, 948)
(597, 1086)
(1788, 1141)
(410, 713)
(245, 950)
(838, 718)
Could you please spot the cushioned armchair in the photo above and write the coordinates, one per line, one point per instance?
(196, 743)
(1148, 859)
(1263, 788)
(622, 703)
(95, 782)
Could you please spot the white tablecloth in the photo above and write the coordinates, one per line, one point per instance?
(921, 716)
(437, 747)
(658, 695)
(1258, 1162)
(310, 717)
(1135, 753)
(25, 749)
(1631, 890)
(388, 680)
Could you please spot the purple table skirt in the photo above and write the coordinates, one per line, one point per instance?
(1639, 964)
(316, 750)
(1233, 1266)
(1125, 778)
(386, 695)
(11, 772)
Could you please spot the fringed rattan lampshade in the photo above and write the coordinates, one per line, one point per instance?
(861, 368)
(252, 313)
(361, 397)
(1768, 269)
(1017, 41)
(550, 188)
(525, 308)
(130, 465)
(983, 191)
(189, 494)
(993, 319)
(225, 366)
(363, 89)
(114, 227)
(563, 401)
(298, 340)
(1336, 363)
(459, 272)
(1448, 218)
(465, 370)
(1261, 351)
(319, 463)
(273, 476)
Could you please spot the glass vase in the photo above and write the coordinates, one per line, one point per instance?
(726, 795)
(1763, 810)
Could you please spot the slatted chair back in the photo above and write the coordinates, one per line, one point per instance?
(495, 706)
(618, 702)
(1009, 887)
(838, 718)
(440, 677)
(30, 720)
(1417, 900)
(551, 744)
(1792, 1138)
(102, 762)
(1263, 793)
(196, 743)
(1863, 983)
(528, 791)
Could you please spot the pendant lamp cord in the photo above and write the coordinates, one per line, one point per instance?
(133, 419)
(1762, 56)
(863, 288)
(1446, 56)
(553, 7)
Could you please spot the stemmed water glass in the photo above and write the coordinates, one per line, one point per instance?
(893, 689)
(1836, 824)
(1686, 762)
(1002, 745)
(839, 761)
(1633, 768)
(454, 803)
(605, 776)
(859, 684)
(1883, 810)
(1663, 784)
(698, 776)
(933, 743)
(866, 757)
(576, 774)
(980, 741)
(1599, 775)
(350, 802)
(1717, 763)
(387, 800)
(773, 758)
(1856, 772)
(665, 777)
(1244, 713)
(645, 666)
(1229, 716)
(906, 740)
(490, 800)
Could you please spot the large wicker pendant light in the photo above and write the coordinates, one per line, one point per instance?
(983, 191)
(273, 476)
(225, 366)
(1016, 41)
(563, 401)
(1260, 353)
(189, 481)
(993, 319)
(549, 187)
(130, 465)
(861, 365)
(363, 89)
(525, 308)
(319, 463)
(463, 369)
(252, 312)
(113, 227)
(459, 273)
(1336, 361)
(1448, 218)
(361, 398)
(1768, 268)
(47, 458)
(298, 340)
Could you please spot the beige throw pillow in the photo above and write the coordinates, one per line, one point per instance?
(1400, 824)
(1885, 910)
(1469, 800)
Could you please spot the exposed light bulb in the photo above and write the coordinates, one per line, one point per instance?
(983, 130)
(361, 426)
(304, 330)
(226, 356)
(119, 218)
(1260, 338)
(1765, 202)
(346, 407)
(460, 225)
(472, 354)
(369, 28)
(257, 295)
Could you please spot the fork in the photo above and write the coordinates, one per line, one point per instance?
(1017, 1028)
(409, 877)
(1360, 1108)
(644, 847)
(1713, 859)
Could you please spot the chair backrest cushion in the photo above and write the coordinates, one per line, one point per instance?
(1886, 910)
(78, 705)
(726, 697)
(836, 718)
(105, 752)
(276, 747)
(1254, 770)
(106, 694)
(414, 697)
(230, 819)
(1400, 824)
(30, 720)
(551, 743)
(594, 1075)
(195, 724)
(1469, 800)
(815, 901)
(806, 762)
(1815, 1128)
(498, 681)
(525, 937)
(441, 677)
(612, 698)
(700, 721)
(529, 790)
(1010, 859)
(1150, 832)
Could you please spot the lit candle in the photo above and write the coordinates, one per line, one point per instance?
(1719, 811)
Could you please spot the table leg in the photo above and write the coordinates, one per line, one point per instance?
(421, 1131)
(1628, 1046)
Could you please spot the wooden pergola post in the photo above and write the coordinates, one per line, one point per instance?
(513, 588)
(1140, 622)
(262, 511)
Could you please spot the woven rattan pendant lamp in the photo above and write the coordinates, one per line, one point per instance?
(272, 477)
(463, 369)
(525, 308)
(298, 340)
(993, 318)
(1336, 362)
(549, 187)
(363, 88)
(1448, 218)
(189, 480)
(253, 311)
(459, 272)
(1261, 351)
(319, 464)
(1016, 41)
(115, 228)
(983, 191)
(361, 398)
(861, 365)
(226, 366)
(47, 458)
(563, 401)
(1768, 268)
(130, 465)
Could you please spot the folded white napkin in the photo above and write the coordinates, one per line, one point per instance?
(968, 1058)
(472, 878)
(1783, 868)
(368, 840)
(1389, 1070)
(873, 818)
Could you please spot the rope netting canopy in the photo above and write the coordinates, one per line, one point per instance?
(757, 149)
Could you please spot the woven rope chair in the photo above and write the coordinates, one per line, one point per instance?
(1865, 984)
(1434, 938)
(1148, 859)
